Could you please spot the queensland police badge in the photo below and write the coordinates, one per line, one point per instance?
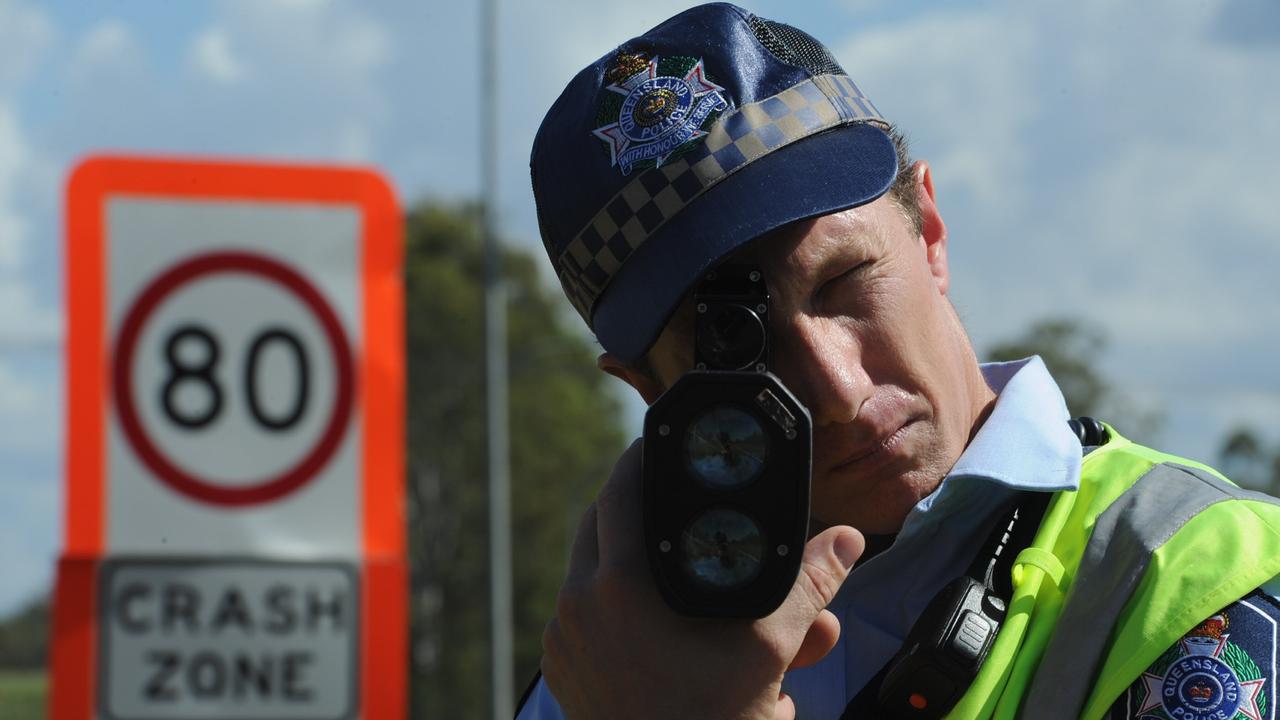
(656, 109)
(1204, 677)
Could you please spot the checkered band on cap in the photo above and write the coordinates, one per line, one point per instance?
(740, 136)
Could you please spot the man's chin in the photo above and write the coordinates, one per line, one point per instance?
(880, 522)
(881, 510)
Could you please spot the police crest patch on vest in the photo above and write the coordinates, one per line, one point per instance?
(1224, 669)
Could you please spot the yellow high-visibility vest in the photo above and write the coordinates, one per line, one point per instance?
(1149, 546)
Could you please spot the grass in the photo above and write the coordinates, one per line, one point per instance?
(22, 694)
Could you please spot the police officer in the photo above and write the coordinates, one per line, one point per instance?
(720, 135)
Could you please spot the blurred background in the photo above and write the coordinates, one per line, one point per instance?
(1107, 171)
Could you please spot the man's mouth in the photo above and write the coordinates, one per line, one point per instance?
(868, 454)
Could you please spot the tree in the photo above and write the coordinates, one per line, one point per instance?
(565, 436)
(24, 637)
(1242, 458)
(1070, 349)
(1245, 459)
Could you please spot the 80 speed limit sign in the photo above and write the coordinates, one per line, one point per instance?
(278, 390)
(235, 329)
(235, 378)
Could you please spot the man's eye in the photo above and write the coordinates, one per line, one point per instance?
(850, 275)
(842, 286)
(857, 269)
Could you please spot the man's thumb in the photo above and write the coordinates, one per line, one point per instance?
(828, 556)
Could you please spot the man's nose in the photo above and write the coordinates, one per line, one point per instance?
(822, 364)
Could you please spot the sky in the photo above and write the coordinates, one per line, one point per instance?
(1108, 162)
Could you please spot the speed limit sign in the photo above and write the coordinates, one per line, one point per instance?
(234, 527)
(194, 371)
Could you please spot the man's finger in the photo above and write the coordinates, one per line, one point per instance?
(823, 635)
(618, 512)
(785, 709)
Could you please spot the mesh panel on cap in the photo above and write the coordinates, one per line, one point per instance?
(795, 47)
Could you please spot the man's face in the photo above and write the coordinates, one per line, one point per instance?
(863, 334)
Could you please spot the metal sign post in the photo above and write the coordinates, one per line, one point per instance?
(501, 614)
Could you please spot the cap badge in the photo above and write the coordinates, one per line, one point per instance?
(651, 117)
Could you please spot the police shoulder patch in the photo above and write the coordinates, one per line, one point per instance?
(1224, 669)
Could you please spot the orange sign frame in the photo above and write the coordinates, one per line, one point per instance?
(379, 393)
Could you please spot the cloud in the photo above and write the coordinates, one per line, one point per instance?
(25, 35)
(30, 328)
(277, 80)
(28, 420)
(25, 323)
(109, 46)
(20, 398)
(13, 159)
(335, 42)
(211, 55)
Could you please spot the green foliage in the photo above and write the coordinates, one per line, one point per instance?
(565, 436)
(1246, 459)
(24, 637)
(1071, 350)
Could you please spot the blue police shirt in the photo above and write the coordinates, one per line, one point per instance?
(1025, 444)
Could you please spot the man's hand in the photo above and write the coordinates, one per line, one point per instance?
(616, 651)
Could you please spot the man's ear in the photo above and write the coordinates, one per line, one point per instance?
(932, 229)
(649, 388)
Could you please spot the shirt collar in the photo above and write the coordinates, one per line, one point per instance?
(1019, 445)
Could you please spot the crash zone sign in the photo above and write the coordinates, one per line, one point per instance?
(234, 522)
(198, 639)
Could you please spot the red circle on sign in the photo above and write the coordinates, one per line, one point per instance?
(266, 489)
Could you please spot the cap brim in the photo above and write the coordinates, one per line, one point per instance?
(824, 173)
